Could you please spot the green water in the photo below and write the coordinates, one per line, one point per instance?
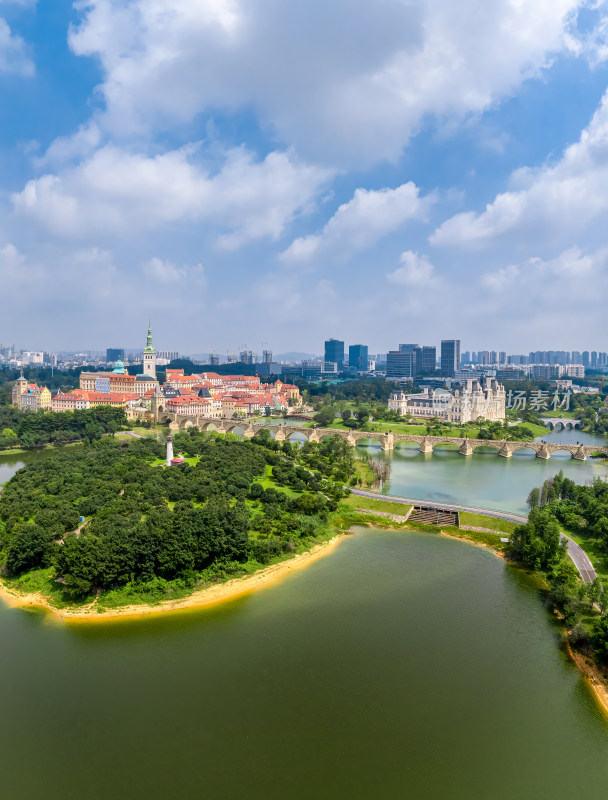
(400, 665)
(483, 479)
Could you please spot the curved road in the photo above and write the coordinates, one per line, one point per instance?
(577, 554)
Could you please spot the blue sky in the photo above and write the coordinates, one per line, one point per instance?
(248, 171)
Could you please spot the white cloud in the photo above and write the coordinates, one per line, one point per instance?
(14, 58)
(115, 192)
(344, 83)
(166, 272)
(88, 287)
(548, 204)
(361, 222)
(415, 270)
(553, 301)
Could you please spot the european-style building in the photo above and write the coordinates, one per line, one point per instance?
(464, 403)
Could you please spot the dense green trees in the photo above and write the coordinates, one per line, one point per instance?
(537, 543)
(28, 430)
(581, 511)
(145, 522)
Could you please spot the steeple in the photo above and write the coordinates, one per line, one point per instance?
(149, 348)
(149, 365)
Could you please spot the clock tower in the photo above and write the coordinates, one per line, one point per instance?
(149, 367)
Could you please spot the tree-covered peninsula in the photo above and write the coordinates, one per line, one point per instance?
(152, 533)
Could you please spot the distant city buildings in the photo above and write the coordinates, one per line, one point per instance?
(115, 354)
(358, 357)
(401, 364)
(334, 353)
(450, 357)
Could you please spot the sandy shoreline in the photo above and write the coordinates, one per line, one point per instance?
(211, 595)
(592, 674)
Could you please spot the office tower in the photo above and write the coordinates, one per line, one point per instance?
(334, 352)
(400, 364)
(358, 357)
(115, 354)
(426, 360)
(450, 357)
(502, 357)
(266, 356)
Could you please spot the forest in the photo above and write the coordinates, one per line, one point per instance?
(582, 513)
(27, 430)
(229, 504)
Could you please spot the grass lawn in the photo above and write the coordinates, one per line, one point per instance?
(364, 472)
(491, 539)
(355, 501)
(268, 483)
(483, 521)
(559, 414)
(42, 581)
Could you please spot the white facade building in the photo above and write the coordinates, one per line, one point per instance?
(464, 403)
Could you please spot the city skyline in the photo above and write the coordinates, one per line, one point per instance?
(268, 198)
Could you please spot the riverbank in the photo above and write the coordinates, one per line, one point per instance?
(210, 595)
(596, 678)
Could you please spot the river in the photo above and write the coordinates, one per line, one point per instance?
(401, 665)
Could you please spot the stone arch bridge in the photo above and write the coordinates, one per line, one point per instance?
(557, 423)
(466, 447)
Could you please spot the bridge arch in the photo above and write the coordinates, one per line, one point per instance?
(297, 432)
(363, 440)
(522, 447)
(444, 441)
(562, 452)
(234, 426)
(207, 426)
(487, 447)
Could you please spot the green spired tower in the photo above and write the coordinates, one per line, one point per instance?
(149, 367)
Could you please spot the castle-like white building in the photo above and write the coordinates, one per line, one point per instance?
(464, 403)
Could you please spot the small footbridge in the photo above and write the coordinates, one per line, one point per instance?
(561, 423)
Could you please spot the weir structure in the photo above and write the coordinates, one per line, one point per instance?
(388, 441)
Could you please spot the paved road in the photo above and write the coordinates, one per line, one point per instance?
(577, 554)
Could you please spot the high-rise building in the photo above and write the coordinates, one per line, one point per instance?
(115, 354)
(247, 357)
(400, 364)
(266, 356)
(358, 357)
(214, 359)
(149, 367)
(426, 360)
(450, 357)
(334, 352)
